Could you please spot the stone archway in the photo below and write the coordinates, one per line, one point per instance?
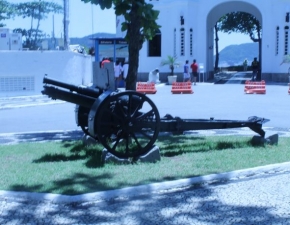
(213, 16)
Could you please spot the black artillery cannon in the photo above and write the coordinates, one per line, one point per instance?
(128, 123)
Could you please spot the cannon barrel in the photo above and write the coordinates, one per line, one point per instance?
(78, 89)
(78, 99)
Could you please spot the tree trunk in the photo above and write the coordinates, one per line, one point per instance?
(216, 64)
(135, 44)
(30, 31)
(37, 29)
(259, 76)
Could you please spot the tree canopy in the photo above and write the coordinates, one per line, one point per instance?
(6, 11)
(241, 22)
(38, 11)
(140, 25)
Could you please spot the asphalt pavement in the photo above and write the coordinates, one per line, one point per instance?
(253, 196)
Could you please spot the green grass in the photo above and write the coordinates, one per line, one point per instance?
(71, 168)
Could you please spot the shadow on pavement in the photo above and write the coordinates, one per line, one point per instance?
(41, 136)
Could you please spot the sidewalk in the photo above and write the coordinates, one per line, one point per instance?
(26, 101)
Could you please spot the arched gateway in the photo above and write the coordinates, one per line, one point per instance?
(187, 31)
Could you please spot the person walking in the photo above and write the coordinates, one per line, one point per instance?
(125, 71)
(245, 64)
(118, 71)
(186, 74)
(255, 69)
(194, 68)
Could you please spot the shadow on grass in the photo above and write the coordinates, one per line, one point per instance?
(49, 136)
(77, 151)
(170, 146)
(88, 183)
(201, 200)
(178, 145)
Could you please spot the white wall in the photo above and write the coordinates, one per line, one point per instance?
(65, 66)
(201, 16)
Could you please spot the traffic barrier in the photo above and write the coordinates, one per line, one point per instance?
(255, 87)
(181, 88)
(146, 88)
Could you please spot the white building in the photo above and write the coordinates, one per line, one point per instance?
(187, 31)
(10, 41)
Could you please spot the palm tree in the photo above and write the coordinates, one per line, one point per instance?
(286, 59)
(171, 61)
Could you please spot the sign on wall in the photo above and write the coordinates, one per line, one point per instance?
(112, 48)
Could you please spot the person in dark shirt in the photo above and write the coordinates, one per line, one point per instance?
(255, 69)
(194, 68)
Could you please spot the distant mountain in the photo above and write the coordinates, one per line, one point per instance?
(87, 40)
(236, 54)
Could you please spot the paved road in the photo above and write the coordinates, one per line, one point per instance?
(208, 100)
(260, 196)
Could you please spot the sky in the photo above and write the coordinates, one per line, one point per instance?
(86, 19)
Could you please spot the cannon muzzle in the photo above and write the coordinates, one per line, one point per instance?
(64, 95)
(95, 93)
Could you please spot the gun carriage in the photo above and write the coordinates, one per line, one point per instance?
(128, 123)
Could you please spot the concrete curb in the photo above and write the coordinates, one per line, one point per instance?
(150, 188)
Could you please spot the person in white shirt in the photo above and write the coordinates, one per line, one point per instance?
(186, 74)
(154, 76)
(125, 71)
(118, 72)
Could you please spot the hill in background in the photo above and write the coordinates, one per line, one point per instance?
(234, 55)
(87, 40)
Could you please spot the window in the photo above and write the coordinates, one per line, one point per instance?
(154, 45)
(286, 43)
(190, 42)
(277, 41)
(182, 44)
(174, 43)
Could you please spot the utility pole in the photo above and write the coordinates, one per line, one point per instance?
(66, 23)
(53, 37)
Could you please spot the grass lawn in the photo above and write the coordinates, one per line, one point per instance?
(71, 168)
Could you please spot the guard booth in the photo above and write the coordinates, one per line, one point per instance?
(116, 49)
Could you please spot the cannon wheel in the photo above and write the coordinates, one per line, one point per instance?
(81, 117)
(85, 130)
(127, 124)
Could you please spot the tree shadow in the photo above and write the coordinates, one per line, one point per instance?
(77, 151)
(48, 136)
(178, 145)
(197, 204)
(66, 186)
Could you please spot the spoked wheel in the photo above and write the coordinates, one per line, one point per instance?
(85, 130)
(81, 117)
(127, 124)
